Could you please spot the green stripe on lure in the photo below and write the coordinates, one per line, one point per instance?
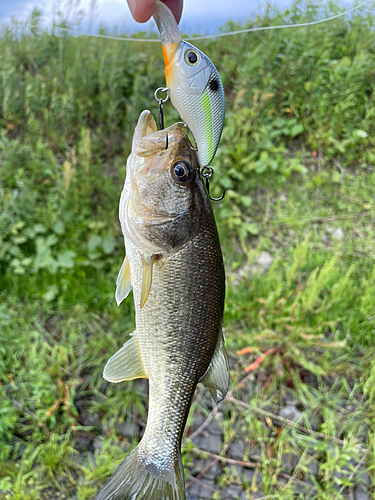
(196, 90)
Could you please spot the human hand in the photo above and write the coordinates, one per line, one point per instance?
(142, 10)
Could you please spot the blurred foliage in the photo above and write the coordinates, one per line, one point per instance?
(296, 160)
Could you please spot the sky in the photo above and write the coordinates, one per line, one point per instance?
(204, 16)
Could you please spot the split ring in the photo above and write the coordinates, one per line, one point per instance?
(161, 89)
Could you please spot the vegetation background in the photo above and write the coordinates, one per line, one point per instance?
(297, 229)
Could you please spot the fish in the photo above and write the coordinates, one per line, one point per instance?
(175, 268)
(195, 87)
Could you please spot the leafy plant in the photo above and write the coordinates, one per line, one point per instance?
(296, 226)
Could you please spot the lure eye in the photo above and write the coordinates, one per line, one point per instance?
(191, 57)
(182, 172)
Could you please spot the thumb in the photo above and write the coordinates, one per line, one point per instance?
(142, 10)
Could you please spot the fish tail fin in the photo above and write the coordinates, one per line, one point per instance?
(138, 478)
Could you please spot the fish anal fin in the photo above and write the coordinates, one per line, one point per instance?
(216, 378)
(147, 279)
(123, 282)
(126, 363)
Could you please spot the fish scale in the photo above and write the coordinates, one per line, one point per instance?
(188, 339)
(174, 265)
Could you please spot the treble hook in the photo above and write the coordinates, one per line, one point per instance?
(207, 173)
(161, 102)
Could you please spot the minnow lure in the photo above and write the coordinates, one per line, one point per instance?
(195, 87)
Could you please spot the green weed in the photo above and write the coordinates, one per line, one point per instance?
(296, 160)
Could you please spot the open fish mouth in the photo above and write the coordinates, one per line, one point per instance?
(154, 204)
(145, 126)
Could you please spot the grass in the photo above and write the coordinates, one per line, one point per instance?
(296, 160)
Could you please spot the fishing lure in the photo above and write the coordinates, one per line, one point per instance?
(195, 88)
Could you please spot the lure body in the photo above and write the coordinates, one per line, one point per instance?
(194, 84)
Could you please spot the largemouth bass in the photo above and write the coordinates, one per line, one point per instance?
(195, 86)
(174, 265)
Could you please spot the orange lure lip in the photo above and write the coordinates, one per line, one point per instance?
(169, 54)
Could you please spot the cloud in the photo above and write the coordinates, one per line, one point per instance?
(204, 16)
(19, 9)
(198, 15)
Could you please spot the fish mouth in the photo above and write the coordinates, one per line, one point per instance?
(179, 150)
(146, 125)
(153, 152)
(145, 217)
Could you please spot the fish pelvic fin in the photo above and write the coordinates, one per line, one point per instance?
(138, 478)
(123, 282)
(126, 363)
(147, 279)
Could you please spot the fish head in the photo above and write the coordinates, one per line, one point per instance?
(195, 87)
(163, 194)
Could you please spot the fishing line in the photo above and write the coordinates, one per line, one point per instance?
(216, 35)
(282, 26)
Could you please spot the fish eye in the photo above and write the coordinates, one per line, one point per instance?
(191, 57)
(182, 171)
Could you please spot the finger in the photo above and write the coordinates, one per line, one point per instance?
(176, 8)
(142, 10)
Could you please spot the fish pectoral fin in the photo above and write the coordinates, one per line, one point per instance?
(123, 282)
(216, 378)
(126, 363)
(147, 279)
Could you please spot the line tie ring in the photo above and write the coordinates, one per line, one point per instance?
(161, 102)
(161, 89)
(207, 172)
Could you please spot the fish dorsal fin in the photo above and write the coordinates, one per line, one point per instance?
(216, 378)
(126, 363)
(123, 282)
(146, 279)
